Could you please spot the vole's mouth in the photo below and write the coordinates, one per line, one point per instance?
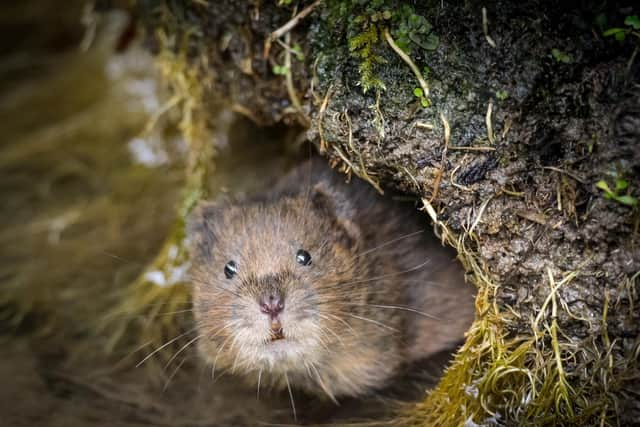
(276, 335)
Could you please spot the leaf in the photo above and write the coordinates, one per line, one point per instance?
(621, 184)
(561, 56)
(418, 92)
(612, 31)
(432, 42)
(502, 95)
(633, 21)
(627, 200)
(425, 102)
(603, 186)
(280, 70)
(297, 50)
(620, 36)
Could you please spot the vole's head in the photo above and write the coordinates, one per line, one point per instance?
(268, 277)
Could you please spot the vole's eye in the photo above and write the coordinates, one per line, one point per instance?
(303, 257)
(230, 269)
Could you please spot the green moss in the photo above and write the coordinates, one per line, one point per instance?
(363, 47)
(364, 23)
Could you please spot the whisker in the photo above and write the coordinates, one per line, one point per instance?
(293, 405)
(215, 360)
(338, 337)
(322, 328)
(386, 276)
(169, 313)
(398, 307)
(375, 322)
(119, 258)
(387, 243)
(259, 379)
(235, 363)
(173, 374)
(217, 331)
(322, 384)
(165, 345)
(339, 319)
(123, 314)
(218, 287)
(184, 347)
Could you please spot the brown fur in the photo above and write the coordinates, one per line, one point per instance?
(347, 322)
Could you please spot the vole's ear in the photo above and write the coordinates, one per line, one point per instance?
(201, 228)
(339, 209)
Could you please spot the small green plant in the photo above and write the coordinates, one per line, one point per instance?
(501, 95)
(424, 101)
(561, 56)
(283, 70)
(615, 194)
(632, 29)
(297, 51)
(280, 70)
(412, 29)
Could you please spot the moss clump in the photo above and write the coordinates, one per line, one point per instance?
(363, 46)
(365, 23)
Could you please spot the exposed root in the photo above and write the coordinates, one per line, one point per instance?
(363, 170)
(447, 137)
(378, 121)
(361, 173)
(241, 109)
(291, 90)
(421, 81)
(479, 148)
(321, 112)
(453, 181)
(290, 25)
(483, 206)
(485, 28)
(565, 172)
(489, 123)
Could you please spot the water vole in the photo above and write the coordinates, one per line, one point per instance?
(322, 285)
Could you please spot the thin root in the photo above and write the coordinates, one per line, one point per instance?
(408, 61)
(290, 25)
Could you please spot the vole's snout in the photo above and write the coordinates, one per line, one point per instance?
(273, 304)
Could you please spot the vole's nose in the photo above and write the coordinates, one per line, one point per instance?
(272, 304)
